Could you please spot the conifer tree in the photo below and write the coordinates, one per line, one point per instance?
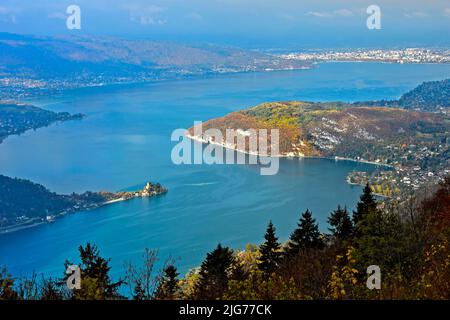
(270, 252)
(168, 285)
(96, 283)
(382, 241)
(341, 224)
(214, 275)
(366, 205)
(306, 236)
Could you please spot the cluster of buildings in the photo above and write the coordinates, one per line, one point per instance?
(13, 87)
(416, 165)
(409, 55)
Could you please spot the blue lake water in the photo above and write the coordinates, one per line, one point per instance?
(125, 141)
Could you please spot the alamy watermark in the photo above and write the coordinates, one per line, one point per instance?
(374, 19)
(374, 279)
(73, 21)
(74, 279)
(250, 146)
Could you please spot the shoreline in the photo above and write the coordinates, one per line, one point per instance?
(31, 98)
(60, 215)
(287, 156)
(93, 206)
(336, 158)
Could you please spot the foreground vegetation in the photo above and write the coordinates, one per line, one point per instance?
(408, 242)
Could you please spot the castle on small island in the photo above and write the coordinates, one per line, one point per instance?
(150, 189)
(49, 206)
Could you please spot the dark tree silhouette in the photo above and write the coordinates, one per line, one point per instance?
(168, 285)
(341, 224)
(95, 279)
(270, 252)
(214, 273)
(365, 205)
(306, 236)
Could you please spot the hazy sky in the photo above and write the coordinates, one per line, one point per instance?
(253, 23)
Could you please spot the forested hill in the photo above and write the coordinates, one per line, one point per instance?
(429, 96)
(414, 142)
(18, 118)
(24, 203)
(22, 199)
(342, 130)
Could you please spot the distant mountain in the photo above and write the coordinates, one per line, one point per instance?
(429, 96)
(66, 57)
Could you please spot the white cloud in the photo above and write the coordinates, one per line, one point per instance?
(415, 14)
(319, 14)
(328, 14)
(344, 13)
(57, 15)
(146, 14)
(8, 14)
(447, 12)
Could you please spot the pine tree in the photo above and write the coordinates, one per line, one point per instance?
(366, 205)
(96, 283)
(341, 224)
(270, 252)
(382, 241)
(168, 285)
(306, 236)
(213, 276)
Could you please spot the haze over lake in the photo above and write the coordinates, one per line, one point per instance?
(125, 141)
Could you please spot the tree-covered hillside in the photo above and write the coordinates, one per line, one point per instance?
(414, 142)
(24, 203)
(18, 118)
(21, 200)
(430, 96)
(338, 129)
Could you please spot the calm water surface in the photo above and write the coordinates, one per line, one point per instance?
(125, 141)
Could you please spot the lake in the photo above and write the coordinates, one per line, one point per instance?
(125, 141)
